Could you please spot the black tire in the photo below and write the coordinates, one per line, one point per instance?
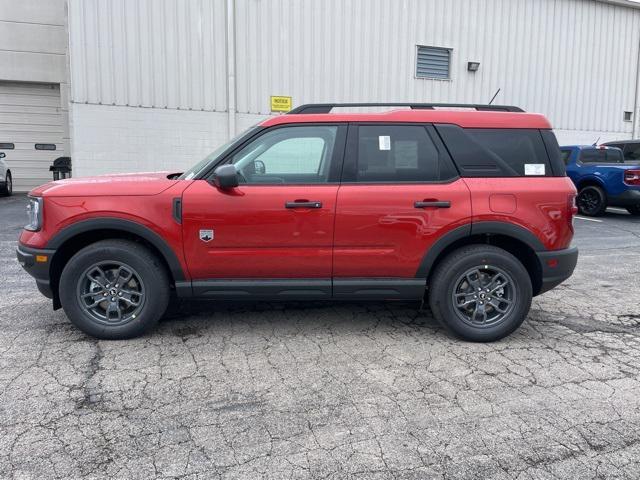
(634, 210)
(103, 261)
(7, 190)
(449, 279)
(592, 201)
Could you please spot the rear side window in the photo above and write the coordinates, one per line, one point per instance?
(400, 153)
(565, 155)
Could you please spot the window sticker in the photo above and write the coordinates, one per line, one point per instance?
(534, 169)
(384, 142)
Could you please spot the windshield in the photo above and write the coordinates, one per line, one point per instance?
(206, 161)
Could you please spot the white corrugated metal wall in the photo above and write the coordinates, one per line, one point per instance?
(574, 60)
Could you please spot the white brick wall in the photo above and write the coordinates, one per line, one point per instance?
(111, 139)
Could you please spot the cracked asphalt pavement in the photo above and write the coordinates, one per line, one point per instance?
(371, 391)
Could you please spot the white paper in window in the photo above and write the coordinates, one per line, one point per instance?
(384, 142)
(534, 169)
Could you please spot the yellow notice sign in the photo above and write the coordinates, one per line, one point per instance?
(280, 104)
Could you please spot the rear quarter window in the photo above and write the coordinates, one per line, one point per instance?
(522, 151)
(502, 152)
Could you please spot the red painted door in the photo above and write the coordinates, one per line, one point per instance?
(279, 222)
(400, 193)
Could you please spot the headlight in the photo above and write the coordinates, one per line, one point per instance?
(34, 214)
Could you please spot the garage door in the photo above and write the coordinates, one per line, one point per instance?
(31, 122)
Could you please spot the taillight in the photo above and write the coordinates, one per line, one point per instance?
(572, 209)
(632, 177)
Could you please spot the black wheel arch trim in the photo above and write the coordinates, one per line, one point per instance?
(127, 226)
(476, 228)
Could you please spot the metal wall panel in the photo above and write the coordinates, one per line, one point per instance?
(574, 60)
(148, 53)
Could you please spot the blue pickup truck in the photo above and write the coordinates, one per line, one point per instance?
(602, 178)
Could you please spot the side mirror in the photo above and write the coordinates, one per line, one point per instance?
(225, 177)
(2, 154)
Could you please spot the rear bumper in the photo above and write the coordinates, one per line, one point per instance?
(627, 198)
(31, 260)
(557, 266)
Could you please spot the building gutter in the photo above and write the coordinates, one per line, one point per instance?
(231, 68)
(622, 3)
(636, 123)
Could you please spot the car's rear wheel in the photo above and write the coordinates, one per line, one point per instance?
(114, 289)
(634, 210)
(480, 293)
(8, 185)
(592, 201)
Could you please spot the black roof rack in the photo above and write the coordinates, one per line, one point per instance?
(327, 107)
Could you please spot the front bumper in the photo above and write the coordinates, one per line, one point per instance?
(628, 198)
(37, 263)
(557, 266)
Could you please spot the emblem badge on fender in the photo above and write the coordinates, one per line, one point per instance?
(206, 235)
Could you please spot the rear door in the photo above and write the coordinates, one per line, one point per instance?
(399, 194)
(277, 224)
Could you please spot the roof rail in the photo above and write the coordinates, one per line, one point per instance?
(312, 108)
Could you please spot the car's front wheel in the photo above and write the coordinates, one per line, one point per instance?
(8, 185)
(480, 293)
(592, 201)
(114, 289)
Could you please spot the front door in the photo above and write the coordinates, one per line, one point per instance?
(278, 224)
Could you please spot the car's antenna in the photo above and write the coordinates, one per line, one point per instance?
(596, 142)
(494, 97)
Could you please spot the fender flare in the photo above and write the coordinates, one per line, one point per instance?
(120, 224)
(476, 228)
(591, 179)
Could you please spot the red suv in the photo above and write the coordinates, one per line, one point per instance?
(464, 206)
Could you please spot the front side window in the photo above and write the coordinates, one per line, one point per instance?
(565, 155)
(288, 155)
(399, 153)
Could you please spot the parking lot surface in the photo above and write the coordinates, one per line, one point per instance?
(329, 390)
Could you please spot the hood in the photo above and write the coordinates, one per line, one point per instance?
(148, 183)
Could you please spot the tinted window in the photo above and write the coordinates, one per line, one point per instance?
(632, 152)
(614, 156)
(518, 152)
(289, 155)
(593, 156)
(399, 153)
(566, 155)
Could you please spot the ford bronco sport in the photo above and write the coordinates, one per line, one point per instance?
(465, 207)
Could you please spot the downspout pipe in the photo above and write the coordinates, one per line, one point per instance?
(231, 68)
(636, 123)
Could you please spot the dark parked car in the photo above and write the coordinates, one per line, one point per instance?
(630, 149)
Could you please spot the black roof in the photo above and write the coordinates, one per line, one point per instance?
(618, 142)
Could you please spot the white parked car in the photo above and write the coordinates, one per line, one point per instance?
(6, 182)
